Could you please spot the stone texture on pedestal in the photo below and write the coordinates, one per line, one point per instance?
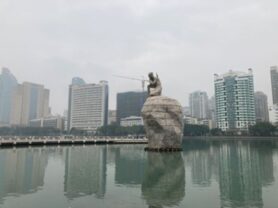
(163, 121)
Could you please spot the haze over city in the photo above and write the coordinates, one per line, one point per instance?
(185, 42)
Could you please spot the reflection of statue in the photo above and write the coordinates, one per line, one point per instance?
(154, 88)
(164, 179)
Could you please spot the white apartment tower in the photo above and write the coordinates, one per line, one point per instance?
(234, 98)
(88, 105)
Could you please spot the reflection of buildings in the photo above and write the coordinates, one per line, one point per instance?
(22, 171)
(164, 179)
(266, 164)
(85, 172)
(241, 168)
(130, 163)
(201, 167)
(242, 174)
(200, 157)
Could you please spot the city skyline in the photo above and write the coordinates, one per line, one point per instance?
(113, 100)
(185, 42)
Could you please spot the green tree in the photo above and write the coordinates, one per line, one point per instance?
(116, 130)
(195, 130)
(262, 129)
(216, 132)
(29, 131)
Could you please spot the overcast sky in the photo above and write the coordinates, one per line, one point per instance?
(184, 41)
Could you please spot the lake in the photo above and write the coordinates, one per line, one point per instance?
(206, 174)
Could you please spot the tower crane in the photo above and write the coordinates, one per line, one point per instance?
(143, 81)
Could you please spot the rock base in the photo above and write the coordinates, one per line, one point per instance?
(147, 149)
(163, 122)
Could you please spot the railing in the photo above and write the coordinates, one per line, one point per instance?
(64, 140)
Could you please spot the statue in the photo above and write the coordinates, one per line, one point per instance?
(154, 88)
(163, 119)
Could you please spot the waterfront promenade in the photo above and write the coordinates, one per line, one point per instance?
(15, 141)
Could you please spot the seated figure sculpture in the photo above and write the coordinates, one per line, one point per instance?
(154, 88)
(163, 119)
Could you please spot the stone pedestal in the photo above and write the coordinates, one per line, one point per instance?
(163, 121)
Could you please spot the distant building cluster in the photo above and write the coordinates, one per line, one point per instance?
(57, 122)
(200, 110)
(233, 107)
(20, 103)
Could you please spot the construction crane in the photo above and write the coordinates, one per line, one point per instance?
(143, 81)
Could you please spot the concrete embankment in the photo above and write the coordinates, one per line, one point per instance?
(46, 141)
(227, 138)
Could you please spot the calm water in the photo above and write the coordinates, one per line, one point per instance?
(229, 174)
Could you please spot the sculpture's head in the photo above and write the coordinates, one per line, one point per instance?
(151, 76)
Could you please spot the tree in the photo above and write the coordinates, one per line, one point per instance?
(262, 129)
(195, 130)
(29, 131)
(116, 130)
(216, 132)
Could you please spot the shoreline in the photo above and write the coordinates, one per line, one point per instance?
(61, 141)
(16, 141)
(233, 138)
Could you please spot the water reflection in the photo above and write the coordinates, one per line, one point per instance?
(241, 169)
(129, 165)
(228, 174)
(240, 174)
(85, 172)
(21, 171)
(164, 179)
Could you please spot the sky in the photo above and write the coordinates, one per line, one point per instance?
(185, 41)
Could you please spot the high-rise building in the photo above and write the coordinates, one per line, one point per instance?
(198, 103)
(261, 107)
(30, 101)
(235, 104)
(130, 104)
(75, 81)
(274, 83)
(8, 84)
(88, 105)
